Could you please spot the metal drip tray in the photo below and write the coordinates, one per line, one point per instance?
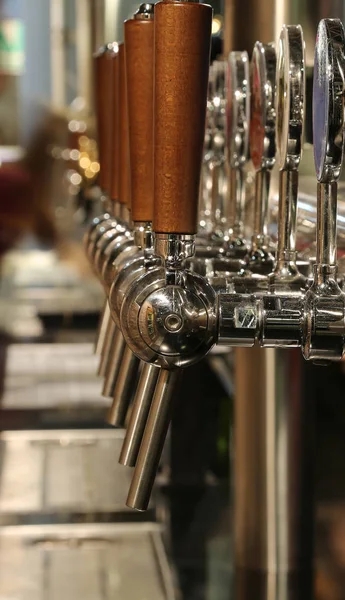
(63, 476)
(52, 385)
(51, 360)
(77, 562)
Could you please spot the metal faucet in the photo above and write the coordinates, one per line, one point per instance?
(167, 314)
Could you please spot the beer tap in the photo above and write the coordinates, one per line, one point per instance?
(168, 317)
(205, 198)
(290, 110)
(238, 118)
(105, 71)
(323, 325)
(139, 36)
(259, 259)
(286, 315)
(110, 226)
(121, 186)
(217, 165)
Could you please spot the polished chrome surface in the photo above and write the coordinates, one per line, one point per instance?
(145, 12)
(108, 341)
(123, 389)
(323, 335)
(290, 97)
(142, 233)
(153, 310)
(174, 248)
(114, 364)
(91, 561)
(38, 468)
(103, 326)
(153, 440)
(263, 115)
(173, 297)
(238, 123)
(290, 109)
(328, 105)
(138, 416)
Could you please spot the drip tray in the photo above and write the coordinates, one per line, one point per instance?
(84, 562)
(63, 476)
(52, 385)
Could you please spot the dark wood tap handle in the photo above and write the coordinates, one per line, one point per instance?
(104, 62)
(115, 129)
(139, 38)
(182, 51)
(123, 163)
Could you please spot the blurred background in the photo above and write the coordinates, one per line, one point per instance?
(64, 528)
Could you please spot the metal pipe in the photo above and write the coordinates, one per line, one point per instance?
(237, 204)
(114, 364)
(153, 440)
(262, 188)
(288, 191)
(105, 351)
(123, 389)
(327, 223)
(138, 418)
(102, 328)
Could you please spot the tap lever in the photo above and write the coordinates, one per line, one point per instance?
(238, 119)
(323, 335)
(290, 109)
(105, 66)
(328, 129)
(262, 149)
(139, 39)
(181, 78)
(122, 167)
(153, 440)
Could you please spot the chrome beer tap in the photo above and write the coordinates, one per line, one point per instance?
(287, 315)
(139, 35)
(290, 110)
(259, 259)
(167, 317)
(323, 323)
(238, 121)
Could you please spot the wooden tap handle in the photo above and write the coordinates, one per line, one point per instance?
(182, 51)
(139, 38)
(123, 163)
(104, 69)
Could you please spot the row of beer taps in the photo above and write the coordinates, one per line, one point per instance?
(178, 272)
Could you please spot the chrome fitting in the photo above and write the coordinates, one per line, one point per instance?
(145, 12)
(174, 249)
(143, 236)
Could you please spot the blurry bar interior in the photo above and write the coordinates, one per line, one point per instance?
(172, 308)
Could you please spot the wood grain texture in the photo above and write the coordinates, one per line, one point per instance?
(103, 67)
(114, 132)
(124, 173)
(182, 50)
(139, 39)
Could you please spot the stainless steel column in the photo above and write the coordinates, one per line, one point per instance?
(273, 486)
